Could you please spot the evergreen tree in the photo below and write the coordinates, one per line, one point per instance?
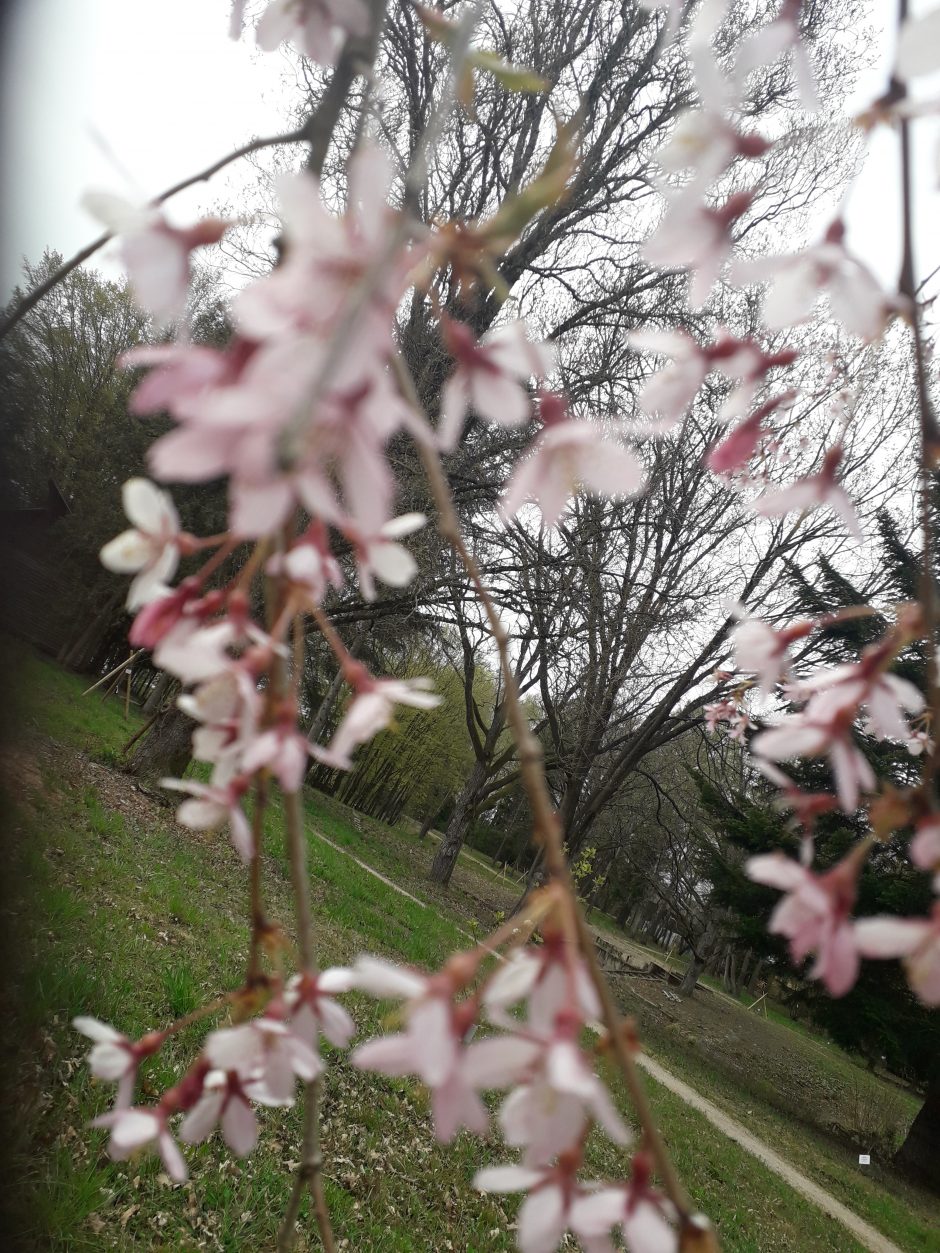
(880, 1018)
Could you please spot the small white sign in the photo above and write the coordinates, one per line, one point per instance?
(864, 1159)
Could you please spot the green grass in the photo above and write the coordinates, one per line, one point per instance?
(126, 916)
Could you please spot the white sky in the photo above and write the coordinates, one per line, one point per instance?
(167, 92)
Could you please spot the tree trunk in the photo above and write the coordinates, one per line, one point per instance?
(755, 976)
(322, 716)
(156, 694)
(446, 857)
(166, 749)
(691, 976)
(919, 1155)
(80, 650)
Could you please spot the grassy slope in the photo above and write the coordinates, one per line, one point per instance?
(131, 918)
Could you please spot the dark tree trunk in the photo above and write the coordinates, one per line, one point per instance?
(166, 749)
(322, 716)
(79, 652)
(446, 858)
(157, 693)
(755, 975)
(691, 976)
(534, 879)
(430, 820)
(919, 1155)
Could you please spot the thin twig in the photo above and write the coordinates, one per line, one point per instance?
(33, 297)
(546, 824)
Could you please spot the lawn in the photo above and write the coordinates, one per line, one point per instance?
(118, 912)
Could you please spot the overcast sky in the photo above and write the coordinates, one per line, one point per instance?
(130, 96)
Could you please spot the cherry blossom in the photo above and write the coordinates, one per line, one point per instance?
(216, 803)
(317, 26)
(135, 1128)
(371, 710)
(224, 1102)
(309, 564)
(266, 1053)
(229, 706)
(432, 1046)
(568, 455)
(815, 732)
(115, 1057)
(695, 236)
(195, 652)
(814, 915)
(311, 1004)
(670, 392)
(490, 377)
(736, 449)
(797, 280)
(550, 1209)
(919, 46)
(156, 254)
(638, 1209)
(811, 492)
(705, 139)
(381, 555)
(915, 940)
(763, 650)
(151, 549)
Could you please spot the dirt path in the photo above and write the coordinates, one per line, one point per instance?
(863, 1231)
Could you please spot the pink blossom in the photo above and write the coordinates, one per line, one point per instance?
(671, 391)
(814, 915)
(705, 139)
(381, 555)
(371, 711)
(567, 456)
(216, 803)
(763, 650)
(550, 1209)
(229, 706)
(796, 281)
(158, 617)
(266, 1053)
(317, 26)
(432, 1047)
(550, 978)
(811, 492)
(915, 940)
(814, 732)
(151, 549)
(695, 236)
(156, 254)
(326, 256)
(224, 1102)
(114, 1057)
(919, 46)
(181, 372)
(136, 1128)
(313, 1009)
(194, 652)
(637, 1208)
(490, 377)
(736, 450)
(309, 565)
